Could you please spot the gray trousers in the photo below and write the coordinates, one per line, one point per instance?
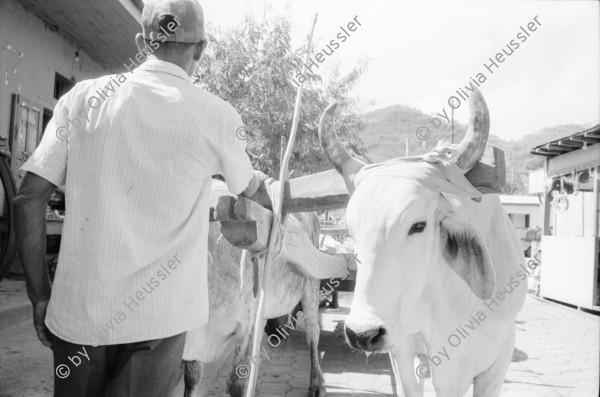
(141, 369)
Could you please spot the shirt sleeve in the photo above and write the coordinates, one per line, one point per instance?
(234, 163)
(49, 159)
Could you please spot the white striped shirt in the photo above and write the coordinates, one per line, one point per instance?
(137, 164)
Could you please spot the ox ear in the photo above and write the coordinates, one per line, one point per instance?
(466, 253)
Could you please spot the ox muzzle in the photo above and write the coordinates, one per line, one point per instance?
(370, 340)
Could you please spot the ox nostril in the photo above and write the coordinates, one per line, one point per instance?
(367, 340)
(377, 340)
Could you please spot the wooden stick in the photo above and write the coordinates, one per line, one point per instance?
(277, 205)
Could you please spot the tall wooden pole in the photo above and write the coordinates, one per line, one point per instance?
(277, 205)
(452, 139)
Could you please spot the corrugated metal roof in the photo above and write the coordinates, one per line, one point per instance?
(569, 143)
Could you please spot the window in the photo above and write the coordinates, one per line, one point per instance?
(520, 221)
(62, 85)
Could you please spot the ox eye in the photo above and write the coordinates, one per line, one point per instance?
(417, 228)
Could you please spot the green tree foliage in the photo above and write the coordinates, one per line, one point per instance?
(251, 67)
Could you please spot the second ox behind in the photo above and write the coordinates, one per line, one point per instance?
(233, 306)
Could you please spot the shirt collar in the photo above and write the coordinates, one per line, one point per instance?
(156, 65)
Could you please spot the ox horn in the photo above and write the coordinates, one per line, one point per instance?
(472, 146)
(337, 154)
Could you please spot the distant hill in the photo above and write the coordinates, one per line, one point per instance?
(387, 129)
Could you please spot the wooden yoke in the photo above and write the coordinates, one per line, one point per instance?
(327, 190)
(244, 223)
(489, 173)
(323, 191)
(247, 225)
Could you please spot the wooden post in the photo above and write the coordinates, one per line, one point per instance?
(596, 233)
(547, 202)
(277, 206)
(452, 136)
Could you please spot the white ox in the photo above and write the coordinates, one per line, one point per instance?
(439, 274)
(233, 307)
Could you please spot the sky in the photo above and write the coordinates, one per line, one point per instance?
(423, 51)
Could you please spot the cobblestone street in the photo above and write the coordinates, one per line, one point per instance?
(556, 355)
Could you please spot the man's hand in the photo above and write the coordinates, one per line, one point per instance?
(39, 315)
(258, 189)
